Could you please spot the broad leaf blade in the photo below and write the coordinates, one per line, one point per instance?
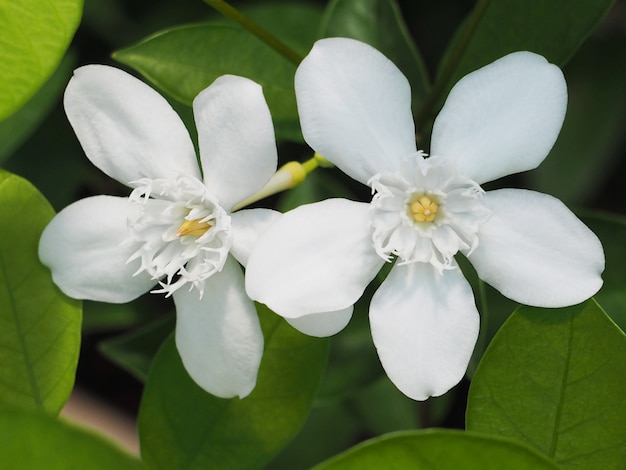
(552, 28)
(31, 441)
(183, 61)
(554, 379)
(40, 334)
(438, 450)
(16, 129)
(380, 24)
(181, 426)
(34, 36)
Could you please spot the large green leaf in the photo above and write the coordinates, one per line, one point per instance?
(438, 450)
(552, 28)
(15, 129)
(611, 230)
(593, 127)
(33, 38)
(135, 351)
(181, 426)
(555, 379)
(31, 442)
(183, 61)
(40, 334)
(380, 24)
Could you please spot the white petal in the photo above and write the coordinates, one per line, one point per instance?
(536, 252)
(219, 337)
(322, 324)
(236, 138)
(316, 258)
(246, 227)
(126, 128)
(424, 325)
(86, 248)
(355, 107)
(503, 118)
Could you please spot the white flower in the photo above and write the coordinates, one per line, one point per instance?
(314, 263)
(176, 228)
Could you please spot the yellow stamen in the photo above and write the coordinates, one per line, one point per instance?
(423, 209)
(194, 228)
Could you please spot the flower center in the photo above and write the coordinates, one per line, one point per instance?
(426, 212)
(180, 232)
(193, 228)
(423, 208)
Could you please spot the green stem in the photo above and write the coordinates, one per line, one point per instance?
(268, 38)
(451, 64)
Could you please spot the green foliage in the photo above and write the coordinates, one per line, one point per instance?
(33, 38)
(31, 441)
(551, 28)
(134, 351)
(15, 129)
(611, 230)
(438, 450)
(183, 61)
(181, 426)
(554, 379)
(593, 127)
(40, 334)
(380, 24)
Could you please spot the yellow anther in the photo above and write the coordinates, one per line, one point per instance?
(193, 228)
(424, 209)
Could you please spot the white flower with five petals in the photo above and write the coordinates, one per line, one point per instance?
(175, 228)
(314, 263)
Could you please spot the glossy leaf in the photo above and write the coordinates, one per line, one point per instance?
(15, 129)
(554, 379)
(181, 426)
(135, 351)
(34, 37)
(183, 61)
(593, 127)
(611, 230)
(32, 441)
(551, 28)
(40, 333)
(295, 24)
(438, 450)
(380, 24)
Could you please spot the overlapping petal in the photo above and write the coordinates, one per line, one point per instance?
(315, 258)
(236, 138)
(503, 118)
(535, 251)
(247, 226)
(424, 325)
(126, 128)
(219, 337)
(86, 248)
(355, 107)
(322, 324)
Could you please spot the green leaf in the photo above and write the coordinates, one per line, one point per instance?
(438, 450)
(183, 61)
(552, 28)
(34, 37)
(31, 441)
(40, 334)
(380, 24)
(15, 129)
(611, 230)
(593, 126)
(181, 426)
(554, 379)
(136, 350)
(295, 24)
